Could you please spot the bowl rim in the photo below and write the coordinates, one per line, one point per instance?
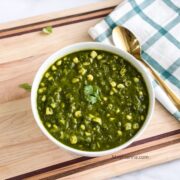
(88, 46)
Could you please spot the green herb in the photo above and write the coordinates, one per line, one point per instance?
(25, 86)
(47, 30)
(91, 94)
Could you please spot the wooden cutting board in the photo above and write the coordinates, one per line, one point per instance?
(24, 151)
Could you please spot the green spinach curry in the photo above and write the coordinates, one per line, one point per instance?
(92, 100)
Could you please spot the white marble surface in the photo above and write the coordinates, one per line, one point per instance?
(18, 9)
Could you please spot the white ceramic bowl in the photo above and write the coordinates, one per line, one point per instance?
(86, 46)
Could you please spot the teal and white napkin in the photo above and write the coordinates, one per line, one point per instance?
(156, 23)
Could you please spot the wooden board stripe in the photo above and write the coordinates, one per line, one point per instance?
(56, 22)
(154, 138)
(115, 158)
(59, 18)
(105, 161)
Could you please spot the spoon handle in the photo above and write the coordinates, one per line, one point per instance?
(163, 84)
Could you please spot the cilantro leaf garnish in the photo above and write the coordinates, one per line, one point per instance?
(47, 30)
(91, 94)
(25, 86)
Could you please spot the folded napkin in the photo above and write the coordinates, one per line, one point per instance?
(156, 23)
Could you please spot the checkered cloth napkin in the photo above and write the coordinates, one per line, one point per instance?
(156, 23)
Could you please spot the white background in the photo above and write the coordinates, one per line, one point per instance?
(18, 9)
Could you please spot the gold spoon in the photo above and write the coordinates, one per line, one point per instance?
(125, 40)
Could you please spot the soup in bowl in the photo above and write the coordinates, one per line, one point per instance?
(92, 99)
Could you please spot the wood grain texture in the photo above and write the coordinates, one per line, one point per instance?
(25, 152)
